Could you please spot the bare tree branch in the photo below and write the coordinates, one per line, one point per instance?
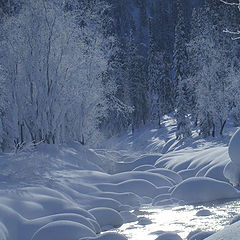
(230, 3)
(228, 31)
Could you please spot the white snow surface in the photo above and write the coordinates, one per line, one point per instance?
(231, 232)
(203, 189)
(70, 192)
(232, 169)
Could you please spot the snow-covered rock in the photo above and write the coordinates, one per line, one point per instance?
(175, 177)
(138, 186)
(203, 189)
(144, 221)
(165, 202)
(157, 179)
(62, 230)
(126, 198)
(144, 168)
(203, 213)
(128, 216)
(107, 236)
(232, 173)
(201, 235)
(161, 197)
(168, 236)
(232, 169)
(107, 217)
(144, 160)
(234, 148)
(216, 172)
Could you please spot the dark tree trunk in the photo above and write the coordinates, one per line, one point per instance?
(222, 126)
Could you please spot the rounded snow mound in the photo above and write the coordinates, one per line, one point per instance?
(168, 236)
(175, 177)
(137, 186)
(62, 230)
(107, 236)
(232, 169)
(143, 160)
(201, 235)
(128, 216)
(203, 213)
(234, 148)
(144, 168)
(107, 217)
(203, 189)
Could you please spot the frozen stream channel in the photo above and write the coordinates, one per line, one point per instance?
(181, 220)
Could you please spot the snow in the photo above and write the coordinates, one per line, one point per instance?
(233, 149)
(143, 160)
(160, 197)
(203, 212)
(203, 189)
(232, 169)
(70, 192)
(144, 221)
(231, 232)
(173, 176)
(63, 230)
(201, 235)
(107, 217)
(168, 235)
(144, 168)
(138, 186)
(128, 216)
(107, 236)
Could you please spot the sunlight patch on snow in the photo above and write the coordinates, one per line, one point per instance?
(181, 220)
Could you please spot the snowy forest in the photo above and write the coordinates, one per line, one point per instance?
(84, 70)
(119, 119)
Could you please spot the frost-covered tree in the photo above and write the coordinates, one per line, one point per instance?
(53, 60)
(118, 116)
(211, 58)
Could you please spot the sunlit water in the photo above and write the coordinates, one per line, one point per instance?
(181, 220)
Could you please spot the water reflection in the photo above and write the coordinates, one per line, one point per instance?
(180, 219)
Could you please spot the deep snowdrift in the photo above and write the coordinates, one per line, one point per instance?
(71, 193)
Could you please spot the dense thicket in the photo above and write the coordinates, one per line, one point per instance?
(80, 69)
(53, 59)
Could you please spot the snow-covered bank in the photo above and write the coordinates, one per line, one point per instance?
(70, 192)
(231, 232)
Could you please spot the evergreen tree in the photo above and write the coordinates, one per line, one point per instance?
(138, 87)
(180, 76)
(159, 81)
(118, 115)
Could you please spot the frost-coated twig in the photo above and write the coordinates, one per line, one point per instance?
(228, 31)
(230, 3)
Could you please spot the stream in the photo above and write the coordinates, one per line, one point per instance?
(180, 219)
